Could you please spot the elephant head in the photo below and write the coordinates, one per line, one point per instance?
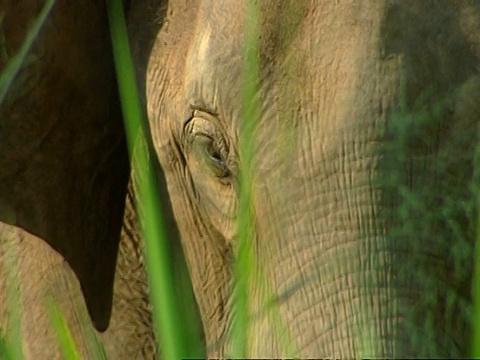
(362, 153)
(361, 163)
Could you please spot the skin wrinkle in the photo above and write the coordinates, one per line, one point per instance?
(315, 277)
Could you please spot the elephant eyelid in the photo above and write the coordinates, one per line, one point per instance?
(199, 113)
(204, 138)
(201, 107)
(205, 114)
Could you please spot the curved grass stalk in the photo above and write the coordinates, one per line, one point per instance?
(172, 337)
(15, 63)
(245, 260)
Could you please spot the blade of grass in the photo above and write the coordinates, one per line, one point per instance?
(245, 262)
(475, 337)
(64, 336)
(4, 347)
(10, 267)
(165, 311)
(15, 64)
(475, 352)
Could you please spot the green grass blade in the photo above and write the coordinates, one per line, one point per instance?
(475, 337)
(64, 336)
(15, 64)
(12, 342)
(476, 291)
(4, 347)
(165, 312)
(245, 262)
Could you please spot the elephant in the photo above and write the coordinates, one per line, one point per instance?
(362, 132)
(63, 206)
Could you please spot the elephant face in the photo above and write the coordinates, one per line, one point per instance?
(366, 127)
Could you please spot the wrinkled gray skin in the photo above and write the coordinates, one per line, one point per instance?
(362, 217)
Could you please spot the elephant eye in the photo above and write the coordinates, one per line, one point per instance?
(207, 146)
(210, 152)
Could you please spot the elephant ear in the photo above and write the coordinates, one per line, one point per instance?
(63, 159)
